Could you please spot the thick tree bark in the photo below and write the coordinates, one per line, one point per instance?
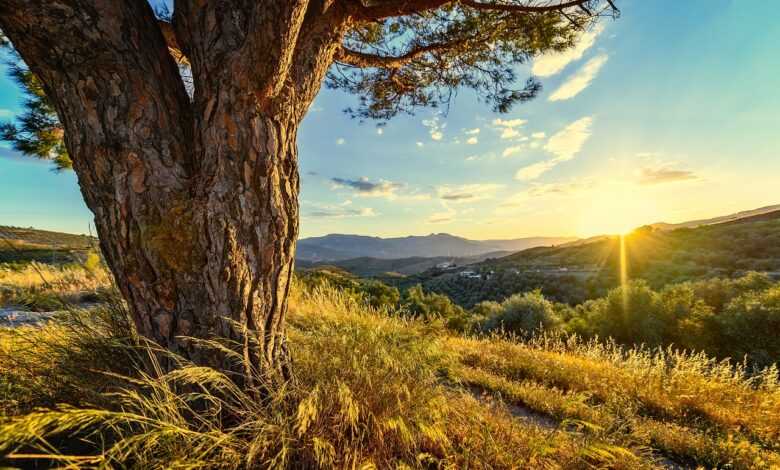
(195, 201)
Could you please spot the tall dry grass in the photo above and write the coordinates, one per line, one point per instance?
(370, 392)
(40, 287)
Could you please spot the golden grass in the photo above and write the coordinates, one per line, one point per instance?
(44, 287)
(377, 391)
(686, 406)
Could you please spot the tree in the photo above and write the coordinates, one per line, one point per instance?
(195, 195)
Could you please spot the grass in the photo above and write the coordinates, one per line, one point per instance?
(42, 287)
(376, 391)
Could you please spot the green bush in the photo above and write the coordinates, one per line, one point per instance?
(523, 314)
(750, 327)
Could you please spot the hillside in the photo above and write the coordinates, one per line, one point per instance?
(340, 247)
(576, 272)
(717, 220)
(28, 244)
(371, 267)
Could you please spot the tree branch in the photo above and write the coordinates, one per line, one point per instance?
(362, 59)
(377, 10)
(523, 8)
(371, 10)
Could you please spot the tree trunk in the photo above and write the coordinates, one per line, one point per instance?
(216, 259)
(195, 200)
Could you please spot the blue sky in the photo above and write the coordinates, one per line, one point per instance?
(669, 113)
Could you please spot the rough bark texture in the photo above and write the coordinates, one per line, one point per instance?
(195, 201)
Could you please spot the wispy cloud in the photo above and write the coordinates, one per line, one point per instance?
(442, 217)
(6, 113)
(513, 150)
(472, 141)
(337, 211)
(535, 170)
(564, 145)
(364, 187)
(340, 141)
(550, 64)
(580, 80)
(556, 190)
(665, 174)
(468, 192)
(474, 131)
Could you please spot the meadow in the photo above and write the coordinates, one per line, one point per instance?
(371, 389)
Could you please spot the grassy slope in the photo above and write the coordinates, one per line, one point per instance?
(27, 244)
(377, 391)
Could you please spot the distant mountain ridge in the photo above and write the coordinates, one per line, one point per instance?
(335, 247)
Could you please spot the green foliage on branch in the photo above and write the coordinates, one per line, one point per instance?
(37, 131)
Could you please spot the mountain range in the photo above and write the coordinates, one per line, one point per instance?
(336, 247)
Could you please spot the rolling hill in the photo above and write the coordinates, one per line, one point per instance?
(370, 267)
(19, 244)
(717, 220)
(573, 273)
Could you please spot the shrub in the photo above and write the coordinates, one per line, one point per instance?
(750, 326)
(523, 314)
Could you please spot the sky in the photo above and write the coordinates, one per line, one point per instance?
(670, 113)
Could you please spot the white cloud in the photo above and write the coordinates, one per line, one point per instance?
(472, 140)
(420, 144)
(340, 141)
(471, 158)
(435, 127)
(467, 192)
(514, 150)
(508, 127)
(531, 172)
(538, 135)
(550, 64)
(508, 133)
(580, 80)
(509, 122)
(380, 131)
(474, 131)
(564, 145)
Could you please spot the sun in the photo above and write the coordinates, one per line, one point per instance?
(615, 211)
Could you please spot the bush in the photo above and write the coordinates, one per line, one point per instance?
(523, 314)
(750, 327)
